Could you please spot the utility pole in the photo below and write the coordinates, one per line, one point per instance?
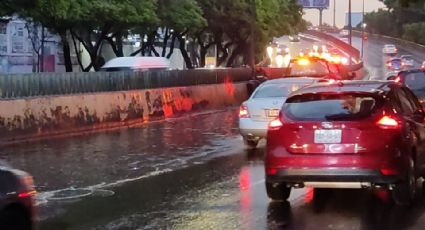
(252, 37)
(350, 28)
(320, 18)
(334, 13)
(363, 28)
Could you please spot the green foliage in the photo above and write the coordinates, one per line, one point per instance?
(402, 19)
(230, 22)
(414, 32)
(180, 15)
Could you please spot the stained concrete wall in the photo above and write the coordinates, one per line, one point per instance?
(42, 117)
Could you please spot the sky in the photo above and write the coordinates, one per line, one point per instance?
(312, 15)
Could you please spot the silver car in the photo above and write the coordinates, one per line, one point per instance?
(264, 105)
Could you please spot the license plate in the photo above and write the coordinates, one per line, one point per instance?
(272, 112)
(332, 136)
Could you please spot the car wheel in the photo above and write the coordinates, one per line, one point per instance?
(15, 218)
(405, 192)
(278, 191)
(251, 143)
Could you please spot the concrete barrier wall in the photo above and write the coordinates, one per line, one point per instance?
(41, 117)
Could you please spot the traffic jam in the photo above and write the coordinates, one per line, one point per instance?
(321, 126)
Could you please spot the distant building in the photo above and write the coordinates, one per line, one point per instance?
(17, 53)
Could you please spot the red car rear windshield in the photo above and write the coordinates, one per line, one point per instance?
(330, 107)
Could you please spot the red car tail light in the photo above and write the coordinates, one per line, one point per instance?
(243, 111)
(27, 194)
(275, 124)
(387, 122)
(389, 172)
(271, 171)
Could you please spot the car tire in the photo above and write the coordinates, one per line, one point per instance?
(252, 144)
(405, 192)
(15, 218)
(278, 191)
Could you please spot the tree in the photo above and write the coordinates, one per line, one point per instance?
(109, 20)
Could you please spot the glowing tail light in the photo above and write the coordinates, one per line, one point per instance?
(275, 124)
(303, 62)
(243, 111)
(398, 79)
(27, 194)
(387, 122)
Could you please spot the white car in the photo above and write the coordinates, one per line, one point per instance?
(344, 33)
(390, 49)
(407, 61)
(264, 105)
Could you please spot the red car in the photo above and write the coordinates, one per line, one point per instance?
(347, 134)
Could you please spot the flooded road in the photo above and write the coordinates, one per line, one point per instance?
(205, 181)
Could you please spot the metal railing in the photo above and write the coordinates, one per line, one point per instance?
(43, 84)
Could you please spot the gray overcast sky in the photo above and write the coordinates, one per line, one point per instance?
(312, 15)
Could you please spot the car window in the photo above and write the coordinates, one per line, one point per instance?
(413, 99)
(415, 81)
(330, 107)
(406, 106)
(276, 90)
(396, 62)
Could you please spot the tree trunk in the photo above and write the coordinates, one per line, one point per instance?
(183, 50)
(173, 42)
(42, 49)
(203, 54)
(239, 49)
(225, 53)
(118, 39)
(66, 52)
(165, 42)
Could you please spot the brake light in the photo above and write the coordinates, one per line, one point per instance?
(398, 79)
(27, 194)
(389, 172)
(303, 62)
(388, 122)
(276, 123)
(243, 111)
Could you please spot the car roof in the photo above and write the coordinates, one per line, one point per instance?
(404, 72)
(361, 86)
(138, 62)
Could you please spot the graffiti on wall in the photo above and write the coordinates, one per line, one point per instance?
(130, 106)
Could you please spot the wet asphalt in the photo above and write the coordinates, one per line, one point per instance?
(191, 172)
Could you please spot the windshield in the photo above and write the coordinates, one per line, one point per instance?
(396, 63)
(276, 90)
(329, 107)
(314, 68)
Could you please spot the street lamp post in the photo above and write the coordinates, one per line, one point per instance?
(334, 13)
(350, 28)
(363, 28)
(252, 42)
(363, 37)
